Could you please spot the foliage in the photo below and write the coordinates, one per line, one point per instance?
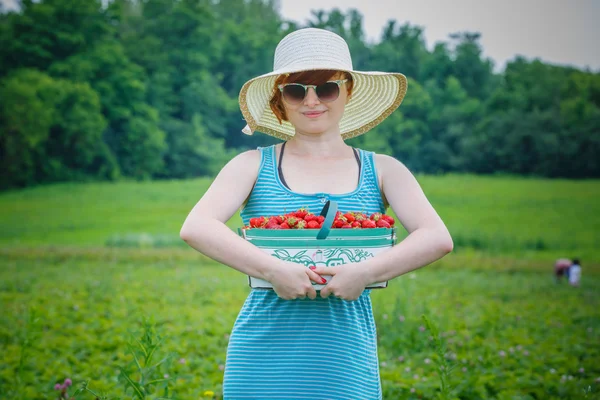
(75, 284)
(500, 215)
(151, 89)
(503, 329)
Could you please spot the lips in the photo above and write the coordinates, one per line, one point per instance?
(313, 114)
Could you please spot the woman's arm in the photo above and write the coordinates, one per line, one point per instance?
(204, 229)
(428, 239)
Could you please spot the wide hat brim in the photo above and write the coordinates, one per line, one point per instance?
(375, 96)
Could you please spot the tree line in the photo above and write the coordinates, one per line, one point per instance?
(148, 89)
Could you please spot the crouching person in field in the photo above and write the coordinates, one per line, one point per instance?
(575, 273)
(561, 268)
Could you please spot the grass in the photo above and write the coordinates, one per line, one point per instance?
(509, 334)
(494, 214)
(82, 266)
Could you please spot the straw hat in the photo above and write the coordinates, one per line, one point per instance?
(374, 97)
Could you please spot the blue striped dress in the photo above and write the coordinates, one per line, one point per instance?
(304, 349)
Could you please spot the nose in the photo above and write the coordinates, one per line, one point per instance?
(311, 98)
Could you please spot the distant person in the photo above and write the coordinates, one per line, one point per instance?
(561, 268)
(575, 273)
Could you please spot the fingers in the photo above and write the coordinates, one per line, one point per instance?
(325, 292)
(325, 270)
(311, 293)
(316, 278)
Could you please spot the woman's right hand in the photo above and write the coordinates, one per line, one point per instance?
(293, 281)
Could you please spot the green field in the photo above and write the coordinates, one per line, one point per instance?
(83, 264)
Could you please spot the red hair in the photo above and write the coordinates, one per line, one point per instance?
(307, 78)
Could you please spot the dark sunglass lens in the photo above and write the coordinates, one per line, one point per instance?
(293, 93)
(328, 91)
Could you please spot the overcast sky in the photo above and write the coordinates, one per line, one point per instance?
(557, 31)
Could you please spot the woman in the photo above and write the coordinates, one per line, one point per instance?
(292, 342)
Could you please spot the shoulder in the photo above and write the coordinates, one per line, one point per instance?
(245, 163)
(390, 166)
(248, 158)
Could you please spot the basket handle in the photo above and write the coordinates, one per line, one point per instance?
(329, 210)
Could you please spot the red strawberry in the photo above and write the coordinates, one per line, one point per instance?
(272, 225)
(375, 217)
(320, 219)
(279, 219)
(349, 217)
(356, 224)
(284, 226)
(346, 226)
(338, 214)
(258, 222)
(383, 224)
(310, 217)
(312, 225)
(388, 219)
(292, 221)
(367, 223)
(359, 217)
(301, 224)
(301, 213)
(338, 223)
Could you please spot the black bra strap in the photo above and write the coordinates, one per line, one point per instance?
(357, 160)
(280, 172)
(281, 178)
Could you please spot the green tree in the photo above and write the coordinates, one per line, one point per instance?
(26, 115)
(133, 132)
(50, 30)
(51, 130)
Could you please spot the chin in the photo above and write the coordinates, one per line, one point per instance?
(315, 129)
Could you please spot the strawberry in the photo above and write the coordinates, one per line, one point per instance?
(338, 214)
(360, 217)
(301, 213)
(258, 222)
(310, 217)
(320, 219)
(388, 219)
(312, 224)
(356, 224)
(349, 217)
(279, 219)
(367, 223)
(375, 217)
(292, 221)
(382, 223)
(272, 225)
(346, 226)
(338, 223)
(284, 226)
(301, 224)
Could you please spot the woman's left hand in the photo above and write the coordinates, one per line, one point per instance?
(347, 281)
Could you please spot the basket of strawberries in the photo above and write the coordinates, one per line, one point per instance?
(329, 239)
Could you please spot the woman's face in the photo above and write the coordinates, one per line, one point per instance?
(313, 116)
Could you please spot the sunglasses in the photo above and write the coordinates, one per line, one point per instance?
(294, 93)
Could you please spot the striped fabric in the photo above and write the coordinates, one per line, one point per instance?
(304, 349)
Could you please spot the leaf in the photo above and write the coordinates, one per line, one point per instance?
(137, 388)
(153, 349)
